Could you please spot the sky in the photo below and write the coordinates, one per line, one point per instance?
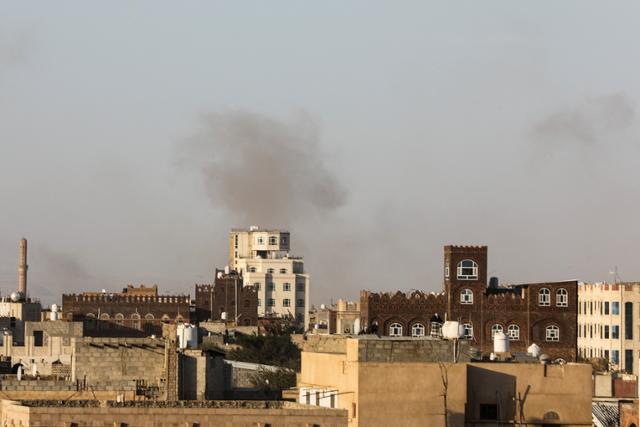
(134, 135)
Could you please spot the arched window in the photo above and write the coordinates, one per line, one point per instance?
(270, 270)
(90, 321)
(513, 332)
(119, 320)
(544, 297)
(467, 270)
(135, 321)
(395, 330)
(417, 330)
(552, 333)
(283, 271)
(148, 323)
(252, 269)
(466, 296)
(562, 298)
(496, 328)
(468, 330)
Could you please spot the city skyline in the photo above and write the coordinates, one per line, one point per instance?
(133, 139)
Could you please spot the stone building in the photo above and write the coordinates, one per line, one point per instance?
(227, 295)
(136, 311)
(540, 313)
(607, 323)
(419, 382)
(262, 257)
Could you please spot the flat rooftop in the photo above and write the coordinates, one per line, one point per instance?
(224, 404)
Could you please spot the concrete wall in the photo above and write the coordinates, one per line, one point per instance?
(107, 359)
(221, 413)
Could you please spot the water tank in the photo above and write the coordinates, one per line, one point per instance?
(452, 330)
(187, 336)
(226, 269)
(16, 296)
(223, 315)
(54, 308)
(356, 326)
(534, 350)
(54, 315)
(500, 343)
(219, 275)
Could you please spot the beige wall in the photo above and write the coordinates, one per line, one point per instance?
(409, 393)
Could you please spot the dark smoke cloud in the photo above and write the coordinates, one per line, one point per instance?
(263, 170)
(589, 123)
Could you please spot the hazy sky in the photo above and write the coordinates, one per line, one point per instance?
(134, 135)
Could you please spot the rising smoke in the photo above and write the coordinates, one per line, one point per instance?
(589, 123)
(262, 170)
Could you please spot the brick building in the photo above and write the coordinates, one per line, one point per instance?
(136, 311)
(540, 313)
(227, 295)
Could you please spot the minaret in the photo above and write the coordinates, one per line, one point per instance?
(22, 268)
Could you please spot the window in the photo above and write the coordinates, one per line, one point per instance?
(496, 328)
(606, 307)
(615, 332)
(628, 321)
(562, 298)
(513, 332)
(446, 271)
(468, 330)
(286, 287)
(271, 286)
(120, 320)
(615, 307)
(271, 302)
(273, 240)
(38, 338)
(257, 286)
(544, 297)
(260, 240)
(300, 287)
(283, 271)
(270, 270)
(252, 269)
(628, 361)
(417, 330)
(615, 357)
(466, 296)
(395, 330)
(488, 411)
(467, 270)
(553, 333)
(284, 239)
(606, 331)
(286, 302)
(300, 302)
(135, 321)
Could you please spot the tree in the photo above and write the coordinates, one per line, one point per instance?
(268, 380)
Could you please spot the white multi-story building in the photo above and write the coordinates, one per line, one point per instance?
(607, 325)
(262, 256)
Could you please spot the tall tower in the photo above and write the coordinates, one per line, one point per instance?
(23, 267)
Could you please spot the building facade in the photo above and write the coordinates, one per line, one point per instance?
(227, 295)
(607, 324)
(262, 258)
(136, 311)
(540, 313)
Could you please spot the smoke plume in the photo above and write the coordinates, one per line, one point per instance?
(589, 123)
(261, 169)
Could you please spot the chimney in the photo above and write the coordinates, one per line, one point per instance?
(23, 267)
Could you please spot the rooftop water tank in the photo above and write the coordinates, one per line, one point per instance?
(534, 350)
(187, 336)
(452, 330)
(500, 343)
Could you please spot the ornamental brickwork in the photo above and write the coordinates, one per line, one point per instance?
(540, 313)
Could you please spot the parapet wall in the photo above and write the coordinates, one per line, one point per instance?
(415, 350)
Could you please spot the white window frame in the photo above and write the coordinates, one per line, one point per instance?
(271, 270)
(283, 271)
(271, 302)
(562, 298)
(251, 269)
(513, 332)
(446, 270)
(552, 333)
(466, 296)
(286, 302)
(395, 329)
(470, 275)
(468, 330)
(544, 297)
(286, 287)
(496, 327)
(418, 330)
(259, 241)
(273, 240)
